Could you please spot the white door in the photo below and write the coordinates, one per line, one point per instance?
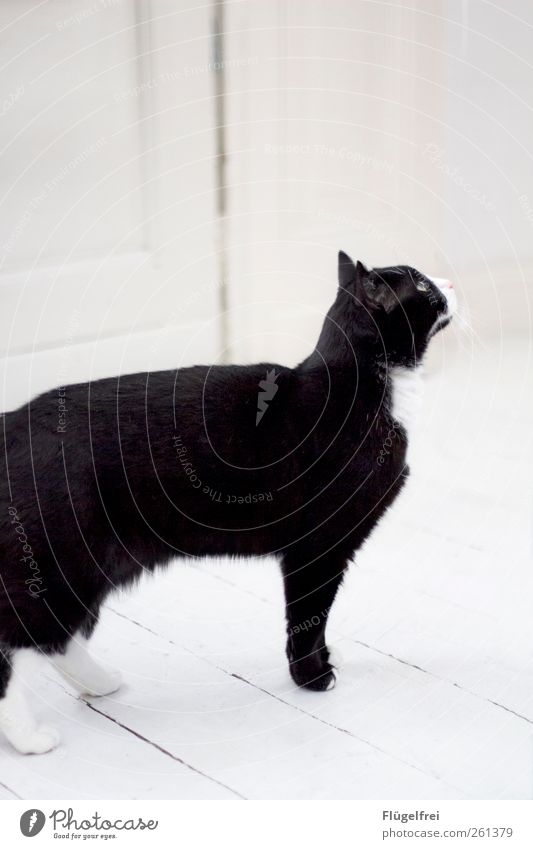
(107, 176)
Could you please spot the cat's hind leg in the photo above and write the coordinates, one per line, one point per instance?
(16, 719)
(82, 671)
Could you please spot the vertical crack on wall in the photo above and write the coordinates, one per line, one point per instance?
(220, 174)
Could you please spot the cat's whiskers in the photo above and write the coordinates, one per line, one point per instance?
(463, 328)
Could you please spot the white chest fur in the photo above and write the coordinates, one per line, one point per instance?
(407, 385)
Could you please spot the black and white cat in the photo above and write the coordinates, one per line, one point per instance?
(299, 463)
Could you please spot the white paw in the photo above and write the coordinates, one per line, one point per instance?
(36, 742)
(332, 681)
(103, 683)
(335, 657)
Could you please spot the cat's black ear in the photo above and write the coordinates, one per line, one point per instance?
(370, 288)
(348, 272)
(377, 293)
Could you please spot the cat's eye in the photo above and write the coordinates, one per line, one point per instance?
(418, 280)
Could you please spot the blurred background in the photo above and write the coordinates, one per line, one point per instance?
(176, 179)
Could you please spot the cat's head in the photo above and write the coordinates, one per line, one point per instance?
(398, 306)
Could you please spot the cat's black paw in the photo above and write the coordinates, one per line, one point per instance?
(313, 672)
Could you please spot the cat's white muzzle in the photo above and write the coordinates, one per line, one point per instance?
(447, 289)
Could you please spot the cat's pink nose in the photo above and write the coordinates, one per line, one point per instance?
(442, 283)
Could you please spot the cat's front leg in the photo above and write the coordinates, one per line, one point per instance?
(310, 590)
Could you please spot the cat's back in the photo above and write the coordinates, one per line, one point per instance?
(244, 416)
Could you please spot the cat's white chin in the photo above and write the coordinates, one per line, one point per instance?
(447, 289)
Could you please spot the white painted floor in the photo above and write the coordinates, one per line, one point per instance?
(435, 624)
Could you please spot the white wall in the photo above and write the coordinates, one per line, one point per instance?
(389, 130)
(486, 158)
